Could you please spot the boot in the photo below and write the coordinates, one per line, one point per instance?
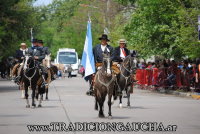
(90, 92)
(17, 79)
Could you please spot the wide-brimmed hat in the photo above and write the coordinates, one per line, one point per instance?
(23, 44)
(40, 41)
(34, 40)
(104, 37)
(122, 41)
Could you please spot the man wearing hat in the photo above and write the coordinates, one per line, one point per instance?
(101, 48)
(41, 46)
(121, 51)
(28, 51)
(19, 56)
(38, 53)
(119, 55)
(47, 52)
(98, 51)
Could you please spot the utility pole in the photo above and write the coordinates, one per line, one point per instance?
(107, 17)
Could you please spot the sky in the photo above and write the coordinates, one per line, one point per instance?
(42, 2)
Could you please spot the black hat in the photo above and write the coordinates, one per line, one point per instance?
(104, 37)
(40, 41)
(34, 40)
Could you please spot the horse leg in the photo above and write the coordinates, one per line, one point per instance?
(47, 90)
(40, 101)
(41, 96)
(23, 94)
(128, 97)
(33, 96)
(101, 114)
(26, 96)
(96, 104)
(109, 105)
(120, 101)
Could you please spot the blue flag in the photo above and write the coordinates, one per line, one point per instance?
(88, 57)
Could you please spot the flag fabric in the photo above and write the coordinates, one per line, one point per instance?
(88, 57)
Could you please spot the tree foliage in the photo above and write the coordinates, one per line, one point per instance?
(164, 27)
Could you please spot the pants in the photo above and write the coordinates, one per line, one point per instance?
(15, 70)
(69, 74)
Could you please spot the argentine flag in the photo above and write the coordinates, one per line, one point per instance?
(88, 57)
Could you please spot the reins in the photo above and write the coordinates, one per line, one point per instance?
(30, 78)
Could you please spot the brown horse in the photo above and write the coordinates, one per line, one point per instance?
(103, 85)
(124, 79)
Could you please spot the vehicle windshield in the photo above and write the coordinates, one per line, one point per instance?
(67, 58)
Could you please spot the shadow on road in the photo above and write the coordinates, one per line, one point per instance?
(49, 106)
(8, 89)
(120, 117)
(13, 115)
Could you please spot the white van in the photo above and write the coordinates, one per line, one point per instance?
(68, 56)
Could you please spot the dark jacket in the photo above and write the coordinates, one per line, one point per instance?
(45, 49)
(35, 51)
(19, 55)
(116, 54)
(98, 57)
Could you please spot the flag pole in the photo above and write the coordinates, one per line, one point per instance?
(31, 36)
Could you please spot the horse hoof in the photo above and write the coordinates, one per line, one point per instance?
(39, 105)
(33, 105)
(27, 106)
(101, 116)
(128, 106)
(47, 99)
(110, 117)
(120, 105)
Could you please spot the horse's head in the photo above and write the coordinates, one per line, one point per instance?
(47, 61)
(130, 63)
(29, 62)
(107, 63)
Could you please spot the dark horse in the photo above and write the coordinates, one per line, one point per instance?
(124, 79)
(103, 85)
(30, 78)
(6, 65)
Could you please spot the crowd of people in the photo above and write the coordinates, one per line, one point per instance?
(169, 74)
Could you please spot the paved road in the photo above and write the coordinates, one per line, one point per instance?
(68, 103)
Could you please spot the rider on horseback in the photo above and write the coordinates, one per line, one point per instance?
(98, 51)
(19, 56)
(47, 52)
(45, 49)
(38, 52)
(120, 53)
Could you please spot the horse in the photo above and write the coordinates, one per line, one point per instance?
(124, 79)
(47, 65)
(61, 69)
(103, 85)
(30, 77)
(3, 68)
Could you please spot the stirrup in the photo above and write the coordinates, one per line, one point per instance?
(17, 80)
(90, 92)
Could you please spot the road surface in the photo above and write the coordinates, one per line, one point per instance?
(69, 103)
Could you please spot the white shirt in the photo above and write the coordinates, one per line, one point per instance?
(24, 51)
(121, 53)
(104, 47)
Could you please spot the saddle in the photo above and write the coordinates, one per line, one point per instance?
(114, 67)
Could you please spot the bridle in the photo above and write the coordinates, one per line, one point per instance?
(25, 70)
(128, 70)
(108, 68)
